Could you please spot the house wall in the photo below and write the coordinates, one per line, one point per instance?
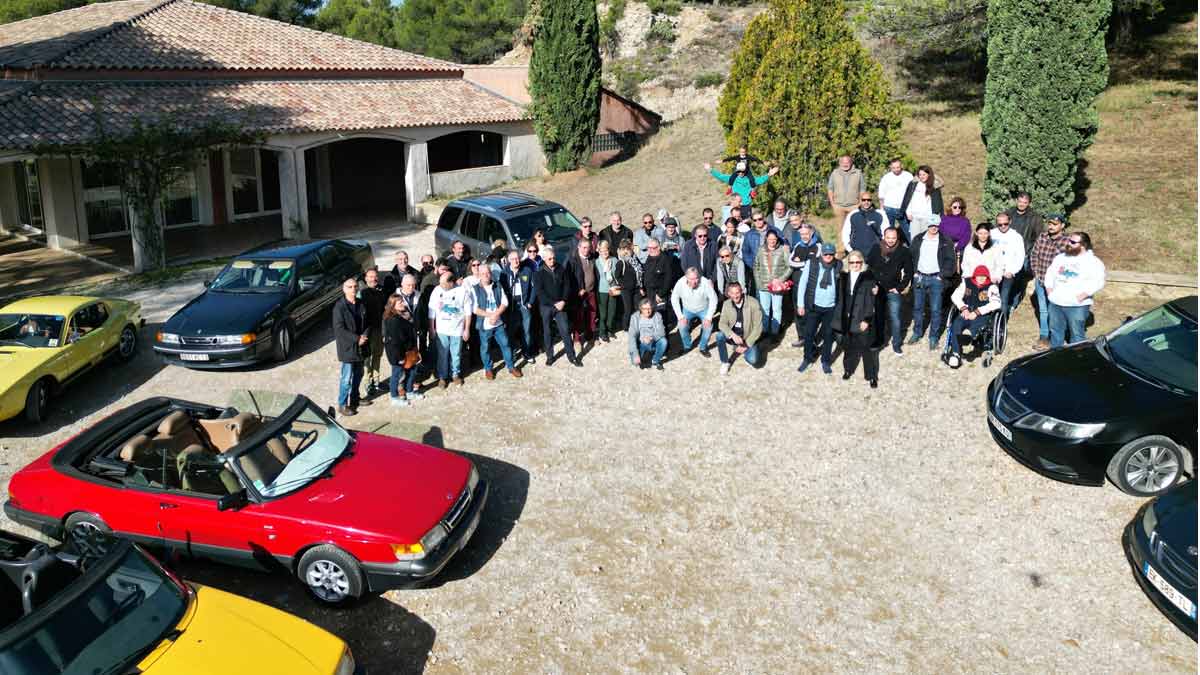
(617, 116)
(59, 203)
(9, 218)
(508, 81)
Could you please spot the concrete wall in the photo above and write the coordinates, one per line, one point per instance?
(9, 215)
(468, 180)
(508, 81)
(59, 202)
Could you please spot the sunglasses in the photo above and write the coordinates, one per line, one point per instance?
(701, 236)
(726, 257)
(758, 220)
(856, 262)
(865, 201)
(1075, 242)
(955, 207)
(708, 217)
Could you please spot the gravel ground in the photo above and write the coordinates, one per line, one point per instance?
(680, 522)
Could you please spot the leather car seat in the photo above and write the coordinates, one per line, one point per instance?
(262, 465)
(227, 432)
(200, 470)
(175, 432)
(138, 450)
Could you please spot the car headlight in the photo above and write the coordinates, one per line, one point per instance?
(243, 339)
(346, 665)
(1149, 520)
(168, 338)
(1056, 427)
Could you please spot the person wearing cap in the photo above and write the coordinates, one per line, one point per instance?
(816, 306)
(935, 263)
(648, 231)
(672, 239)
(1051, 242)
(891, 263)
(1012, 261)
(1073, 279)
(975, 299)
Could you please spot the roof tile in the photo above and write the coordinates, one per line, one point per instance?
(40, 40)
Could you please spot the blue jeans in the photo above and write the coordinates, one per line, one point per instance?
(657, 348)
(898, 221)
(685, 329)
(927, 290)
(449, 356)
(895, 303)
(1012, 290)
(1064, 319)
(1039, 291)
(958, 325)
(486, 335)
(348, 383)
(818, 319)
(526, 328)
(772, 307)
(408, 374)
(751, 355)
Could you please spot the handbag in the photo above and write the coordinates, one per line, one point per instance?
(411, 358)
(777, 286)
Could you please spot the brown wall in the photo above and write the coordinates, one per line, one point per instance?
(616, 116)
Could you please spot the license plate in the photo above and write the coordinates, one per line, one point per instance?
(1186, 606)
(194, 357)
(1004, 431)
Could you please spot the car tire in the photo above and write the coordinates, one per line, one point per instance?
(283, 342)
(331, 575)
(87, 534)
(37, 401)
(1147, 467)
(127, 344)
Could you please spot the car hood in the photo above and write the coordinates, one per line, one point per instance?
(230, 634)
(1078, 384)
(1176, 512)
(390, 488)
(214, 313)
(18, 362)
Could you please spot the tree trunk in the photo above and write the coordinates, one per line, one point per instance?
(149, 245)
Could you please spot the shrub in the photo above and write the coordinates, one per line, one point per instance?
(660, 32)
(669, 7)
(704, 80)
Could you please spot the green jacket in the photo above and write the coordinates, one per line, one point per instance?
(780, 269)
(752, 319)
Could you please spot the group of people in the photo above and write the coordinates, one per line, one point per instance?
(739, 282)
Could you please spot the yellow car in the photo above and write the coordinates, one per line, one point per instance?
(47, 342)
(109, 607)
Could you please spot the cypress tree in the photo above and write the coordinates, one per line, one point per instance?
(1046, 66)
(564, 81)
(755, 42)
(816, 94)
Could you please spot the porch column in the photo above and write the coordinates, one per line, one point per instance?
(9, 214)
(58, 202)
(416, 179)
(324, 169)
(293, 194)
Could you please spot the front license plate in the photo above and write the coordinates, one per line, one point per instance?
(1004, 431)
(194, 357)
(1186, 606)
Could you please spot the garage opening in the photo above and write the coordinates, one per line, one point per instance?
(355, 184)
(466, 150)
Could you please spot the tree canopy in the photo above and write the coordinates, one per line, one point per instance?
(564, 81)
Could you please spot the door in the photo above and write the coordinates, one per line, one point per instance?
(491, 231)
(307, 292)
(334, 272)
(470, 234)
(76, 354)
(447, 228)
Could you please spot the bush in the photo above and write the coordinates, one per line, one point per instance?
(609, 37)
(668, 7)
(660, 32)
(626, 78)
(704, 80)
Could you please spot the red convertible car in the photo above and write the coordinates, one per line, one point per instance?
(273, 482)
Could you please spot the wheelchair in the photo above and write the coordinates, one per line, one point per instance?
(988, 342)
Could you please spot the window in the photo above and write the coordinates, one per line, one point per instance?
(466, 150)
(449, 217)
(103, 200)
(491, 230)
(29, 193)
(87, 320)
(181, 203)
(309, 272)
(470, 225)
(329, 258)
(253, 181)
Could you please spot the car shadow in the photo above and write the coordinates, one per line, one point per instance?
(384, 637)
(103, 385)
(508, 490)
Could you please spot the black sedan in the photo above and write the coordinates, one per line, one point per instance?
(1160, 544)
(1122, 406)
(257, 305)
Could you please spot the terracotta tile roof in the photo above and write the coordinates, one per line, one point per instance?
(42, 39)
(64, 113)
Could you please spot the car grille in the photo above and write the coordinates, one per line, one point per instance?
(1008, 409)
(1175, 563)
(198, 341)
(456, 512)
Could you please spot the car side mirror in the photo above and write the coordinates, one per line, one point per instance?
(331, 412)
(233, 501)
(309, 282)
(1126, 320)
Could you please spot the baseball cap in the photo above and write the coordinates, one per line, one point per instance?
(828, 249)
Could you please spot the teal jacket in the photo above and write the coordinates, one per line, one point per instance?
(742, 185)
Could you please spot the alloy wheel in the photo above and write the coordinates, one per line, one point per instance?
(1151, 469)
(128, 340)
(89, 540)
(327, 580)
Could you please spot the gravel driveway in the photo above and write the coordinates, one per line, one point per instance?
(681, 522)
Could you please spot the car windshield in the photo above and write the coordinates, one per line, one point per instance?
(31, 330)
(301, 445)
(106, 628)
(254, 276)
(558, 223)
(1161, 345)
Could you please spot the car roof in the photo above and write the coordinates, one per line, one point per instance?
(505, 202)
(288, 248)
(49, 304)
(1186, 305)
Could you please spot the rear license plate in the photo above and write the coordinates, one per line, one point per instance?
(193, 357)
(1186, 606)
(1004, 431)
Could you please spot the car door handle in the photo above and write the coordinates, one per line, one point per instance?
(166, 505)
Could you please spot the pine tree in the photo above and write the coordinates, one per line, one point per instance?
(564, 81)
(759, 36)
(816, 94)
(1046, 66)
(465, 31)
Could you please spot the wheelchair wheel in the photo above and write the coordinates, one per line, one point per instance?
(999, 333)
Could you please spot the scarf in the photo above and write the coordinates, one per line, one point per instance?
(826, 275)
(887, 251)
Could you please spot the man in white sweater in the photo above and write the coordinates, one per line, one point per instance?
(1074, 278)
(1012, 261)
(891, 194)
(694, 299)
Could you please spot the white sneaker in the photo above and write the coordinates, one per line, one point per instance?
(414, 396)
(724, 368)
(399, 402)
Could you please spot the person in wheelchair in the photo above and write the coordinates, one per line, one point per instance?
(975, 298)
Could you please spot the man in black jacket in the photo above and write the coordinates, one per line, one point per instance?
(934, 265)
(373, 297)
(891, 263)
(552, 287)
(459, 261)
(658, 278)
(350, 336)
(616, 232)
(392, 281)
(701, 251)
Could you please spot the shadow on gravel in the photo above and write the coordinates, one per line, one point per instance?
(106, 383)
(385, 637)
(509, 487)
